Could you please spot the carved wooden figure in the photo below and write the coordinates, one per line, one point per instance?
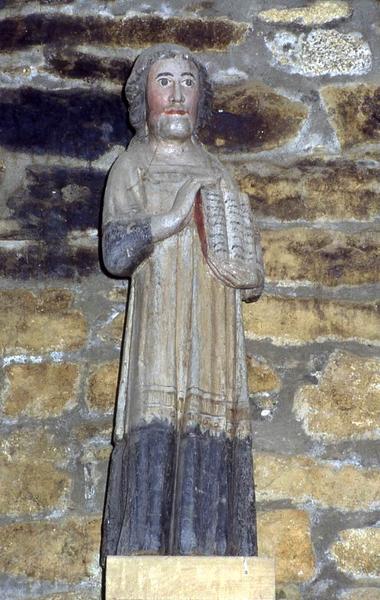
(181, 478)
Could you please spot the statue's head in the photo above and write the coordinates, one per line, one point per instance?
(168, 93)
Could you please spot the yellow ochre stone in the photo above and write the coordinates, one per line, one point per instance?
(64, 550)
(40, 390)
(357, 552)
(261, 377)
(318, 13)
(102, 387)
(353, 111)
(31, 475)
(321, 256)
(189, 578)
(39, 322)
(313, 189)
(298, 321)
(303, 479)
(285, 536)
(346, 402)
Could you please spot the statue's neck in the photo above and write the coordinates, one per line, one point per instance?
(174, 150)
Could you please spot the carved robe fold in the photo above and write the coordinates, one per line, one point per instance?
(181, 477)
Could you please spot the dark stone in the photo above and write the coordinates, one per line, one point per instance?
(75, 123)
(185, 494)
(252, 115)
(17, 33)
(53, 203)
(68, 62)
(56, 201)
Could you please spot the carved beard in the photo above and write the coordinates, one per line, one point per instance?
(174, 127)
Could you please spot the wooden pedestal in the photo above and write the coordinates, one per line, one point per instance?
(189, 578)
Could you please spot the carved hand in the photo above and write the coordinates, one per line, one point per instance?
(167, 224)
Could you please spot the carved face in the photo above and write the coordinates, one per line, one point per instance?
(172, 98)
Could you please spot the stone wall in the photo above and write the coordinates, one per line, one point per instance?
(297, 120)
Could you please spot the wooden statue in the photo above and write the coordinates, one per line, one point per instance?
(174, 221)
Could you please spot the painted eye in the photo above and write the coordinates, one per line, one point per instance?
(164, 81)
(188, 82)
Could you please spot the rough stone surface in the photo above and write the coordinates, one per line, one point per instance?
(39, 322)
(261, 377)
(135, 32)
(42, 390)
(361, 594)
(302, 479)
(321, 52)
(53, 207)
(80, 595)
(346, 402)
(285, 536)
(78, 123)
(298, 321)
(313, 189)
(31, 473)
(112, 331)
(288, 592)
(102, 387)
(70, 547)
(321, 256)
(318, 13)
(354, 111)
(251, 116)
(357, 552)
(301, 137)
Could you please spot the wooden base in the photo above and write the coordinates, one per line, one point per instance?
(189, 578)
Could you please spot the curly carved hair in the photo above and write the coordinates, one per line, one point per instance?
(135, 88)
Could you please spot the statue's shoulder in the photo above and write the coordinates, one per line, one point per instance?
(217, 167)
(131, 158)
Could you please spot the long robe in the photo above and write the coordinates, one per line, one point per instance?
(181, 476)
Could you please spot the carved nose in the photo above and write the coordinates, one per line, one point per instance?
(177, 95)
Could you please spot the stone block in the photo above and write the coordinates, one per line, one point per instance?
(298, 321)
(71, 63)
(354, 112)
(361, 594)
(102, 387)
(40, 390)
(79, 595)
(137, 31)
(252, 116)
(78, 123)
(321, 256)
(285, 536)
(302, 479)
(189, 577)
(32, 475)
(112, 331)
(261, 377)
(346, 402)
(313, 189)
(65, 550)
(357, 552)
(39, 322)
(288, 592)
(317, 13)
(320, 52)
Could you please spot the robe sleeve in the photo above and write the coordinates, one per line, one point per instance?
(126, 231)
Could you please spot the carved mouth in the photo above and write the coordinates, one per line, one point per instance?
(176, 111)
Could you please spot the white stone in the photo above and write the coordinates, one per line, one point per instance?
(321, 52)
